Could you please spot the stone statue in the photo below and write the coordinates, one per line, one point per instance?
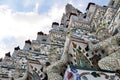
(111, 47)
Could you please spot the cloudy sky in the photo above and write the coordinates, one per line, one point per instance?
(20, 20)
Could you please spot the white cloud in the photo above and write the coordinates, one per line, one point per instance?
(56, 12)
(24, 25)
(32, 2)
(36, 7)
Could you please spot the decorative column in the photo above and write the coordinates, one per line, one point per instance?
(54, 70)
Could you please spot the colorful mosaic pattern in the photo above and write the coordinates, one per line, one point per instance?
(78, 50)
(35, 70)
(75, 73)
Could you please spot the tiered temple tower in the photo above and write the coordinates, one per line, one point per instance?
(83, 46)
